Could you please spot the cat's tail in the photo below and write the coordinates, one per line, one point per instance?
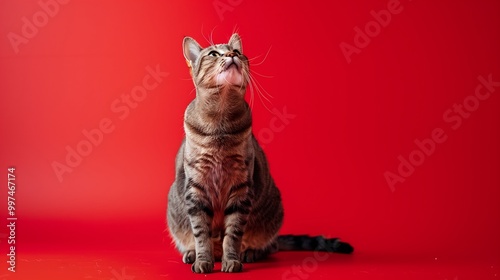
(313, 243)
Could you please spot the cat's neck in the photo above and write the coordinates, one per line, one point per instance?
(219, 111)
(221, 103)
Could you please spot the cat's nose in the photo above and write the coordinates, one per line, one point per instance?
(230, 54)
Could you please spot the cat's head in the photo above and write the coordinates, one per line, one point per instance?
(217, 66)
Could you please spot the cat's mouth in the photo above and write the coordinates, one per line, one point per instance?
(231, 64)
(230, 73)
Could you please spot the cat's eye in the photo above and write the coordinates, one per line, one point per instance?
(214, 53)
(237, 52)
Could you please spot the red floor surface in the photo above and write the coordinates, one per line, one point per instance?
(129, 265)
(383, 129)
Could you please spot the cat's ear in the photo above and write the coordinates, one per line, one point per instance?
(191, 49)
(235, 42)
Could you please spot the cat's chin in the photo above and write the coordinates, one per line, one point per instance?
(230, 76)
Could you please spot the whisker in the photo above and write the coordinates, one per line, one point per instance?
(263, 98)
(260, 86)
(203, 34)
(212, 37)
(251, 93)
(241, 86)
(264, 59)
(264, 103)
(262, 75)
(210, 40)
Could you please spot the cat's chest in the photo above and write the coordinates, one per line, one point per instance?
(219, 169)
(218, 173)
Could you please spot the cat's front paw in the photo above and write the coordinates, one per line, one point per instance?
(231, 266)
(200, 266)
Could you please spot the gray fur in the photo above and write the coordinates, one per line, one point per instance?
(223, 203)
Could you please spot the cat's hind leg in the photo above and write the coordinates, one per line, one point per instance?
(184, 241)
(250, 255)
(189, 256)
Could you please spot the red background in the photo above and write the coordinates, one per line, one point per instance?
(106, 218)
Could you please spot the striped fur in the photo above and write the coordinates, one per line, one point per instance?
(223, 204)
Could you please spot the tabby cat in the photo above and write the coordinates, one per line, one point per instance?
(223, 204)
